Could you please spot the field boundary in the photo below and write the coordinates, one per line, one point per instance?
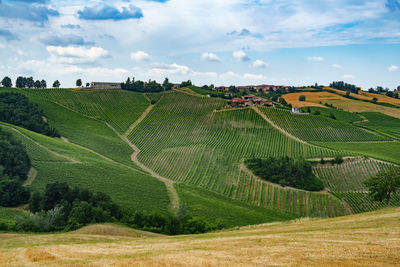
(276, 126)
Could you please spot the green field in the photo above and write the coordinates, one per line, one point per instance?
(361, 202)
(382, 123)
(212, 205)
(350, 175)
(387, 151)
(184, 139)
(7, 215)
(318, 128)
(56, 160)
(187, 139)
(340, 115)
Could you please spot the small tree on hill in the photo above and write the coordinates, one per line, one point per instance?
(30, 83)
(56, 84)
(302, 98)
(384, 184)
(43, 84)
(6, 82)
(37, 84)
(79, 82)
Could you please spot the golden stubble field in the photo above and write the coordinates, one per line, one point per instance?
(371, 239)
(314, 99)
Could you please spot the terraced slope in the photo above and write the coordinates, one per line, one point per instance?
(185, 140)
(350, 175)
(118, 108)
(318, 128)
(382, 123)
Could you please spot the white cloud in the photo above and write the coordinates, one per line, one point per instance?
(140, 56)
(317, 59)
(393, 68)
(173, 69)
(348, 76)
(260, 64)
(210, 57)
(76, 54)
(240, 55)
(251, 76)
(337, 66)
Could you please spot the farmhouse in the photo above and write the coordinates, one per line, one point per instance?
(104, 86)
(176, 86)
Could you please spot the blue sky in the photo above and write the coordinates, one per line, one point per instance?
(222, 42)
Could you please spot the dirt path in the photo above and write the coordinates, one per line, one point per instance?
(31, 176)
(104, 157)
(169, 183)
(139, 120)
(276, 126)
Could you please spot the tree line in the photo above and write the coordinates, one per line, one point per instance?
(16, 109)
(340, 85)
(28, 82)
(286, 171)
(150, 86)
(386, 91)
(14, 167)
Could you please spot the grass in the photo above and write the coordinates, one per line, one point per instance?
(387, 151)
(382, 123)
(369, 239)
(317, 127)
(202, 202)
(362, 202)
(340, 115)
(56, 160)
(7, 215)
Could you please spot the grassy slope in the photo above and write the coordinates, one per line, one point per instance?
(340, 115)
(202, 202)
(183, 139)
(388, 151)
(370, 239)
(382, 123)
(317, 127)
(130, 189)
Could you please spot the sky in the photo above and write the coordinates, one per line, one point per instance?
(220, 42)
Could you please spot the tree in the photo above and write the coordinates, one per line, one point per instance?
(374, 100)
(186, 84)
(384, 184)
(79, 82)
(20, 82)
(30, 83)
(6, 82)
(87, 84)
(43, 84)
(56, 84)
(302, 98)
(37, 84)
(167, 85)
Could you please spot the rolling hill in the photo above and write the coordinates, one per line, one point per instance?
(369, 239)
(158, 151)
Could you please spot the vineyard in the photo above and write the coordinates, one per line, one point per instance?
(340, 115)
(185, 140)
(361, 202)
(318, 128)
(382, 123)
(350, 175)
(118, 108)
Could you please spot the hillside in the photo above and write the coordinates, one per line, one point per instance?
(369, 239)
(183, 149)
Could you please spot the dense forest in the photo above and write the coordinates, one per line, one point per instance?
(14, 168)
(149, 87)
(16, 109)
(286, 171)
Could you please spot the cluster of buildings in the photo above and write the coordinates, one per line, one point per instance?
(250, 100)
(263, 88)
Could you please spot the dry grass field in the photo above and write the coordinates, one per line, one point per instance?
(369, 239)
(313, 99)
